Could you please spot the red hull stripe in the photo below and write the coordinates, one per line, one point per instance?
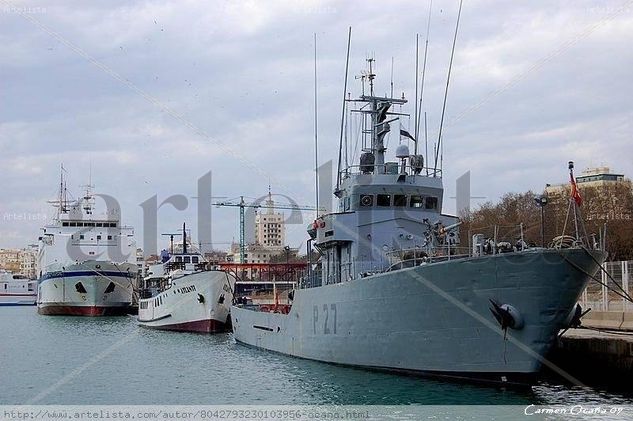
(61, 310)
(201, 326)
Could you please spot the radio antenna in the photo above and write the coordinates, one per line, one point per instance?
(416, 116)
(340, 145)
(316, 143)
(448, 79)
(426, 49)
(391, 96)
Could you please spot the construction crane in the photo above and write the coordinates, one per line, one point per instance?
(268, 205)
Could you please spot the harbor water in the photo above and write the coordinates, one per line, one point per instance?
(107, 361)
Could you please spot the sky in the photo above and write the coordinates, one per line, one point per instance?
(143, 98)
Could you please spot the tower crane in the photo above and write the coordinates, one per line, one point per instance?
(268, 205)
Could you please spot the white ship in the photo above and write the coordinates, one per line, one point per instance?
(393, 291)
(86, 262)
(17, 290)
(184, 294)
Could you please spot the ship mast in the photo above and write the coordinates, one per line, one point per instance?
(378, 110)
(62, 197)
(88, 199)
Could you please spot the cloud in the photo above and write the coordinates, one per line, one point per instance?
(533, 86)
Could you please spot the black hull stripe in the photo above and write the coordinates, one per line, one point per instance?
(155, 320)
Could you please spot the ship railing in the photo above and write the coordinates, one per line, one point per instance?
(313, 279)
(406, 258)
(393, 168)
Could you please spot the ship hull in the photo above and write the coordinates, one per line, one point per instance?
(87, 289)
(432, 320)
(198, 302)
(18, 299)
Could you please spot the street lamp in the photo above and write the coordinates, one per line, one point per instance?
(287, 249)
(541, 201)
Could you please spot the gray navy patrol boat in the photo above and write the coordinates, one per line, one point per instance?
(393, 291)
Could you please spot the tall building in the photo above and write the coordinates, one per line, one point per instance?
(270, 236)
(269, 226)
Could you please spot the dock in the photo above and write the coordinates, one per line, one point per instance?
(597, 356)
(601, 351)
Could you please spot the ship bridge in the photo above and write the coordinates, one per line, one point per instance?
(385, 207)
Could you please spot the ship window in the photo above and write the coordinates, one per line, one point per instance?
(431, 202)
(112, 224)
(109, 237)
(366, 200)
(178, 259)
(416, 201)
(400, 200)
(72, 224)
(64, 224)
(98, 237)
(81, 237)
(194, 259)
(90, 224)
(99, 224)
(383, 200)
(187, 259)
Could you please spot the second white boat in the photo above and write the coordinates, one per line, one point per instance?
(184, 294)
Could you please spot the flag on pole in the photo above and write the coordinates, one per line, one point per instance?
(575, 193)
(405, 133)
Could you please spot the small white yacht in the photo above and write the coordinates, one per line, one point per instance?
(17, 290)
